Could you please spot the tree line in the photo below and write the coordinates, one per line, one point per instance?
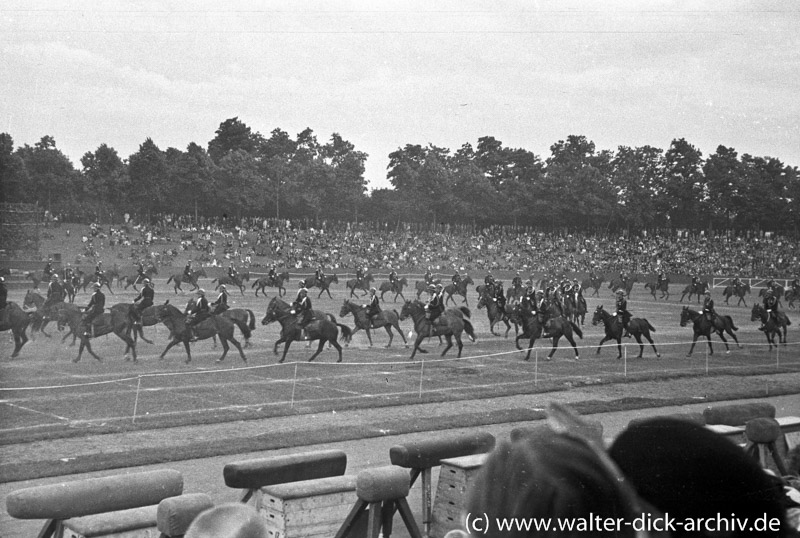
(243, 173)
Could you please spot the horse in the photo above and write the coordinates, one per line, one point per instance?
(558, 326)
(323, 329)
(354, 284)
(422, 286)
(36, 301)
(594, 283)
(36, 278)
(16, 320)
(88, 278)
(637, 327)
(70, 289)
(450, 324)
(117, 321)
(777, 291)
(148, 320)
(738, 290)
(324, 286)
(132, 280)
(397, 288)
(460, 289)
(771, 326)
(655, 286)
(698, 290)
(577, 312)
(386, 319)
(480, 289)
(515, 293)
(791, 296)
(238, 315)
(703, 327)
(178, 278)
(237, 281)
(175, 321)
(496, 315)
(627, 286)
(261, 283)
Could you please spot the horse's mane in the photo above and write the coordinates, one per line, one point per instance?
(172, 310)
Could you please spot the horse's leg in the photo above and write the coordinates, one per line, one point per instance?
(733, 335)
(369, 336)
(278, 341)
(652, 344)
(694, 341)
(319, 349)
(396, 325)
(285, 350)
(140, 331)
(334, 343)
(568, 336)
(605, 339)
(328, 291)
(530, 346)
(169, 346)
(449, 338)
(417, 342)
(619, 349)
(91, 352)
(459, 344)
(390, 333)
(508, 327)
(553, 349)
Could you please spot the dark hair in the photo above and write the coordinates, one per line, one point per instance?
(549, 476)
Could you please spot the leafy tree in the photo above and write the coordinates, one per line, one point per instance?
(725, 175)
(13, 175)
(240, 187)
(148, 172)
(105, 178)
(192, 181)
(636, 172)
(52, 178)
(683, 186)
(232, 135)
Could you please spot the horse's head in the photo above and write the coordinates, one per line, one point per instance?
(403, 281)
(757, 312)
(408, 310)
(482, 301)
(345, 308)
(686, 315)
(599, 314)
(468, 280)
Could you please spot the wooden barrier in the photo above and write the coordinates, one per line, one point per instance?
(252, 475)
(60, 502)
(381, 492)
(422, 456)
(455, 478)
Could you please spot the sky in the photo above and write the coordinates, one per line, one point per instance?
(384, 74)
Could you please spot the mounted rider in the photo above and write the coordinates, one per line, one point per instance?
(3, 301)
(490, 282)
(55, 292)
(516, 282)
(142, 301)
(435, 306)
(795, 285)
(200, 312)
(528, 298)
(319, 275)
(661, 277)
(592, 274)
(68, 273)
(577, 292)
(98, 272)
(97, 304)
(187, 271)
(695, 281)
(393, 278)
(221, 303)
(708, 307)
(623, 316)
(301, 309)
(736, 283)
(233, 274)
(140, 276)
(623, 280)
(48, 268)
(499, 297)
(373, 307)
(272, 276)
(428, 276)
(771, 306)
(360, 273)
(456, 279)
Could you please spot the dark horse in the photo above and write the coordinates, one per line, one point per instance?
(617, 284)
(698, 290)
(386, 319)
(148, 320)
(88, 278)
(771, 326)
(34, 300)
(324, 286)
(237, 315)
(15, 320)
(703, 327)
(323, 329)
(264, 281)
(397, 289)
(117, 322)
(450, 324)
(739, 290)
(353, 284)
(237, 281)
(496, 315)
(451, 289)
(663, 287)
(577, 312)
(175, 321)
(594, 283)
(132, 280)
(638, 327)
(421, 286)
(557, 326)
(177, 279)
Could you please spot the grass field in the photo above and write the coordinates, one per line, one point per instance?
(44, 395)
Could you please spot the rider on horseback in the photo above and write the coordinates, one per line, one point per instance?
(540, 311)
(516, 282)
(661, 277)
(577, 290)
(489, 282)
(771, 306)
(320, 275)
(68, 274)
(221, 304)
(737, 284)
(623, 279)
(360, 275)
(200, 312)
(142, 301)
(456, 279)
(708, 307)
(393, 278)
(795, 285)
(48, 268)
(3, 301)
(623, 316)
(55, 292)
(301, 308)
(273, 274)
(97, 304)
(499, 297)
(374, 307)
(140, 276)
(232, 272)
(187, 271)
(435, 306)
(527, 301)
(98, 271)
(428, 276)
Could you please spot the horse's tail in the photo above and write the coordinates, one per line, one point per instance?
(332, 318)
(577, 329)
(255, 283)
(730, 320)
(469, 329)
(346, 332)
(213, 280)
(465, 311)
(648, 325)
(170, 278)
(252, 324)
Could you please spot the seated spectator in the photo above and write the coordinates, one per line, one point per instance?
(687, 471)
(230, 520)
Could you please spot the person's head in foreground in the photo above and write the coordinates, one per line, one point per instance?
(561, 475)
(694, 474)
(232, 520)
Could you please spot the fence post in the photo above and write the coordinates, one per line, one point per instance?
(294, 383)
(421, 369)
(625, 359)
(136, 401)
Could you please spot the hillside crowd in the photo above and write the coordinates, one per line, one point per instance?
(345, 246)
